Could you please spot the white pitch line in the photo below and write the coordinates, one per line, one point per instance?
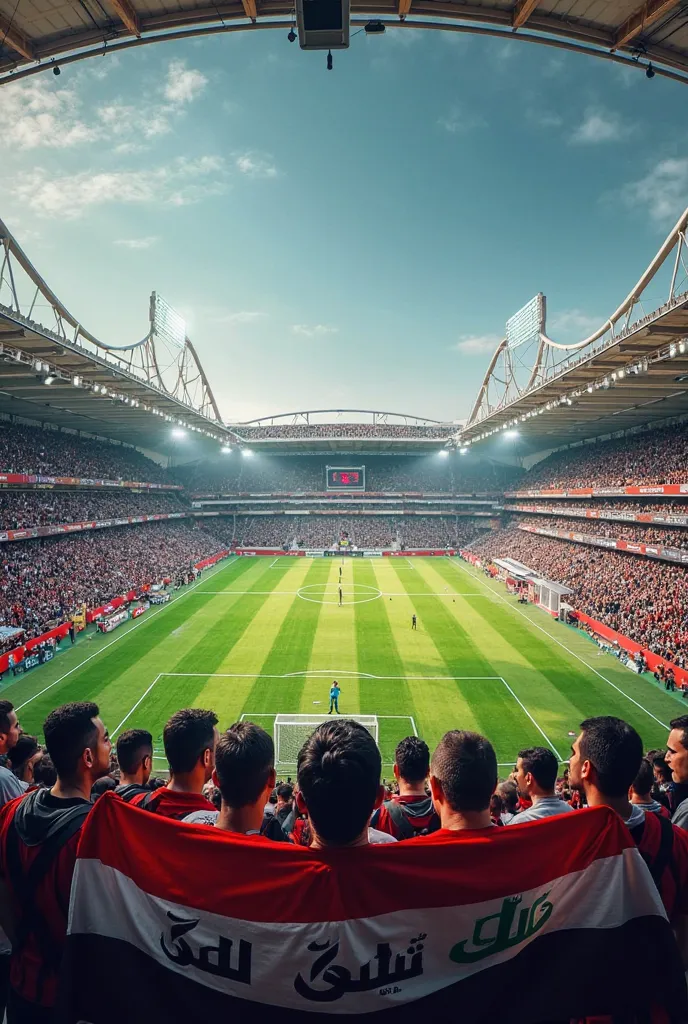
(413, 723)
(326, 673)
(121, 636)
(568, 649)
(132, 710)
(538, 727)
(333, 588)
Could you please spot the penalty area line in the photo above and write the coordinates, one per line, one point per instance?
(126, 632)
(537, 726)
(573, 654)
(133, 709)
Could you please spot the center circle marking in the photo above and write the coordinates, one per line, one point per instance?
(371, 593)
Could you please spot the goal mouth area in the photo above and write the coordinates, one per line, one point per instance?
(291, 732)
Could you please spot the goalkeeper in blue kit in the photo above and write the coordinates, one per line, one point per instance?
(334, 697)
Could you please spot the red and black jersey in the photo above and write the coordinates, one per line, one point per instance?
(664, 848)
(406, 816)
(170, 803)
(39, 834)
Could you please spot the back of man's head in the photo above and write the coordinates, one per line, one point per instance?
(244, 764)
(69, 731)
(644, 780)
(615, 750)
(338, 776)
(465, 765)
(542, 764)
(186, 737)
(285, 792)
(412, 758)
(508, 791)
(133, 747)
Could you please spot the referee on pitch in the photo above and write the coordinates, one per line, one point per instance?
(334, 697)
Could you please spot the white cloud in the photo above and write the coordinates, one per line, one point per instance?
(477, 344)
(544, 118)
(183, 84)
(313, 330)
(662, 191)
(460, 120)
(255, 166)
(573, 322)
(33, 114)
(600, 125)
(136, 243)
(180, 183)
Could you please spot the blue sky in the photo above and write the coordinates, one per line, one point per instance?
(354, 238)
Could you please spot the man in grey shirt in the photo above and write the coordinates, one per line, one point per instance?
(10, 786)
(677, 759)
(536, 776)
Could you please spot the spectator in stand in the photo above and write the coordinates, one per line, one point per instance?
(44, 773)
(135, 759)
(338, 776)
(536, 777)
(641, 790)
(411, 811)
(10, 730)
(42, 828)
(24, 757)
(605, 760)
(508, 791)
(285, 802)
(463, 777)
(677, 759)
(189, 739)
(245, 776)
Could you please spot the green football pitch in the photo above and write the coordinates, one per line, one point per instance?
(256, 637)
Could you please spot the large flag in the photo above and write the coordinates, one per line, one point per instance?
(171, 922)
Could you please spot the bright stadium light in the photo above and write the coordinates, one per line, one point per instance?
(462, 451)
(511, 433)
(246, 452)
(443, 454)
(178, 433)
(49, 379)
(225, 450)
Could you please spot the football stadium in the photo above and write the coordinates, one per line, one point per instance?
(345, 709)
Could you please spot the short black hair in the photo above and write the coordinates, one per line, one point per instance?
(285, 791)
(26, 746)
(102, 785)
(614, 749)
(6, 706)
(68, 731)
(466, 765)
(645, 779)
(412, 757)
(338, 775)
(542, 765)
(508, 791)
(681, 723)
(186, 736)
(244, 759)
(132, 746)
(44, 773)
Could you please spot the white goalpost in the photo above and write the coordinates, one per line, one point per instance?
(292, 731)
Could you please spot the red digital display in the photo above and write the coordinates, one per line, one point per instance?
(346, 478)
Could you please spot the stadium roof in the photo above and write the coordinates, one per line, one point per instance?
(36, 32)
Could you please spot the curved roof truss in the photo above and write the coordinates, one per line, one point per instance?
(35, 36)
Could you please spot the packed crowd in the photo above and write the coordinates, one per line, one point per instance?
(638, 532)
(248, 432)
(37, 450)
(20, 510)
(645, 601)
(649, 458)
(43, 582)
(227, 781)
(269, 474)
(322, 531)
(602, 507)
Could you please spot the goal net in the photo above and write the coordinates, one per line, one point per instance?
(292, 731)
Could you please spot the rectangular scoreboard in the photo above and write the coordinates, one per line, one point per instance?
(345, 478)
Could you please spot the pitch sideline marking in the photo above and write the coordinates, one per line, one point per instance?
(568, 649)
(324, 672)
(133, 709)
(384, 593)
(538, 727)
(120, 637)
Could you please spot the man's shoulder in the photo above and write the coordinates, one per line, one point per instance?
(680, 815)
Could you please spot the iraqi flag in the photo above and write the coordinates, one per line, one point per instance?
(171, 922)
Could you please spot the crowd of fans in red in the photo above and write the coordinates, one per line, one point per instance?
(21, 510)
(323, 531)
(227, 781)
(602, 528)
(43, 582)
(649, 458)
(644, 600)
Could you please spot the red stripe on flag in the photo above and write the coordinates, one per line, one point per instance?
(195, 865)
